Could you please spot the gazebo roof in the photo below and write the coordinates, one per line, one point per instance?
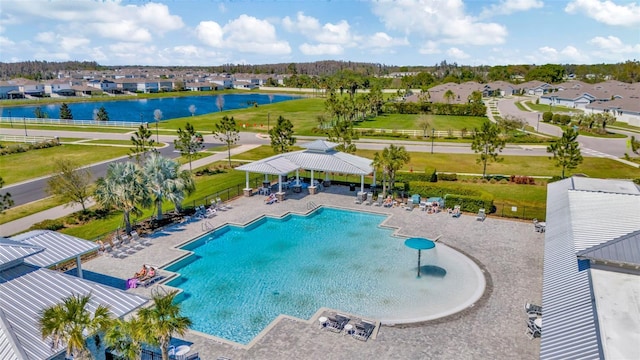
(319, 155)
(58, 247)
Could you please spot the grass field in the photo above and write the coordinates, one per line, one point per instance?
(554, 109)
(36, 163)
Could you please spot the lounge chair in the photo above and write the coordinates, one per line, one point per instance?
(388, 202)
(140, 240)
(532, 309)
(337, 323)
(363, 330)
(358, 200)
(221, 205)
(369, 199)
(481, 215)
(533, 331)
(539, 226)
(211, 212)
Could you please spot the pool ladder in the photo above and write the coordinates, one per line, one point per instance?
(311, 205)
(206, 226)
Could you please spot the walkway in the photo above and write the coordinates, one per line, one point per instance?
(493, 328)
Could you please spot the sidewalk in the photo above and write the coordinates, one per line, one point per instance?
(22, 224)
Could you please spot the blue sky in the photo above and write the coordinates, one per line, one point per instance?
(392, 32)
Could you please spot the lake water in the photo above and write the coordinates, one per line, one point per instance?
(141, 110)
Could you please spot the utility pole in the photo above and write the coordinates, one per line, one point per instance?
(433, 134)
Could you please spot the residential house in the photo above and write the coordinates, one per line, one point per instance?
(9, 91)
(105, 85)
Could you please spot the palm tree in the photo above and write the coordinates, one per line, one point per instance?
(124, 188)
(378, 164)
(71, 322)
(393, 159)
(163, 320)
(126, 337)
(165, 181)
(449, 95)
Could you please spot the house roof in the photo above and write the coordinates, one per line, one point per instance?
(30, 290)
(582, 213)
(58, 247)
(13, 250)
(625, 250)
(319, 156)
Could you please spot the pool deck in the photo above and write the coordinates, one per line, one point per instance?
(509, 252)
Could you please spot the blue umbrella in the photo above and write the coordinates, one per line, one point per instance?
(419, 244)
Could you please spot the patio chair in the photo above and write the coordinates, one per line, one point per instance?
(538, 226)
(481, 215)
(363, 330)
(533, 309)
(140, 240)
(378, 201)
(221, 205)
(533, 331)
(369, 198)
(358, 200)
(337, 323)
(211, 212)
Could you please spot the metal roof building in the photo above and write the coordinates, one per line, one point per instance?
(591, 235)
(27, 289)
(319, 155)
(58, 248)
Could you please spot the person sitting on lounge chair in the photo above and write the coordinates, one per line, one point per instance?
(271, 199)
(150, 273)
(140, 274)
(388, 202)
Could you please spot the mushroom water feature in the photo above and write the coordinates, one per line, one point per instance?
(419, 244)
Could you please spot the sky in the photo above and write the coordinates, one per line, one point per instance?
(390, 32)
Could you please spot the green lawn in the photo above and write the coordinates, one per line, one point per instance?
(412, 121)
(513, 165)
(554, 109)
(35, 163)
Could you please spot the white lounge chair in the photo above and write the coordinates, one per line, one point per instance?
(481, 215)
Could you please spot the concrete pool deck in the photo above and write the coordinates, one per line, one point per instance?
(509, 252)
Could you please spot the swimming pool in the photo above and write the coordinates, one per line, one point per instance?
(239, 279)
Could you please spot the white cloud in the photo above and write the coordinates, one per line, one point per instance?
(444, 20)
(573, 55)
(607, 12)
(383, 40)
(321, 49)
(429, 47)
(613, 48)
(457, 53)
(4, 42)
(70, 44)
(210, 33)
(249, 34)
(506, 7)
(107, 19)
(45, 37)
(549, 52)
(306, 25)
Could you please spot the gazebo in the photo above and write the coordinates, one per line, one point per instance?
(317, 156)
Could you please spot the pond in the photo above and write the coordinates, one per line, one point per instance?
(142, 110)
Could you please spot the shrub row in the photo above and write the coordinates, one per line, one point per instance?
(527, 180)
(20, 148)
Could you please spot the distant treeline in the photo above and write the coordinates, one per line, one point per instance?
(414, 76)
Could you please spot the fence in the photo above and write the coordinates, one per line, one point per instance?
(417, 133)
(25, 139)
(46, 121)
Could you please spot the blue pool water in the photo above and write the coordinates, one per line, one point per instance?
(239, 279)
(141, 110)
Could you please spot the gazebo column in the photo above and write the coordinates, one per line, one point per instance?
(79, 266)
(247, 189)
(362, 195)
(280, 193)
(327, 181)
(312, 188)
